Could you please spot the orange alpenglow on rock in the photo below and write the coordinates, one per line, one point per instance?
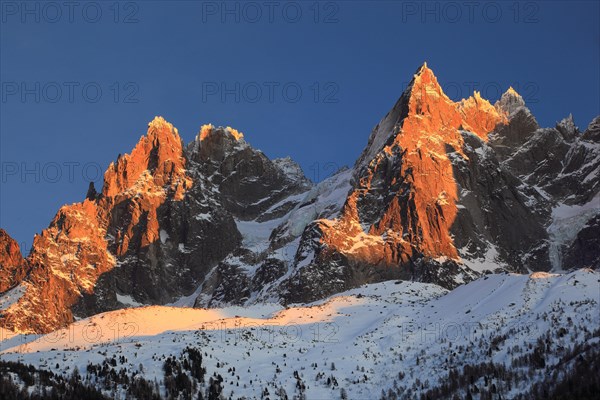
(12, 268)
(207, 130)
(401, 205)
(158, 156)
(144, 178)
(414, 139)
(69, 256)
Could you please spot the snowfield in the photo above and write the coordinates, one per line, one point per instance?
(395, 336)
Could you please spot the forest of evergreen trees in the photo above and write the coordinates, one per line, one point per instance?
(184, 378)
(576, 376)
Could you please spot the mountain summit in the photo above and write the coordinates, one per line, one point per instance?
(443, 192)
(428, 109)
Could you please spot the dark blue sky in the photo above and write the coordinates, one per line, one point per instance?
(304, 79)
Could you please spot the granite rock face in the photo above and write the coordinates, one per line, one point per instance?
(430, 199)
(443, 192)
(12, 264)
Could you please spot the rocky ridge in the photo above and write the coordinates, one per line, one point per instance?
(443, 192)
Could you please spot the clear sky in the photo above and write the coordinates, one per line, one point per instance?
(80, 81)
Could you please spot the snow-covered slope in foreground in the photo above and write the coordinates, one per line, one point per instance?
(399, 336)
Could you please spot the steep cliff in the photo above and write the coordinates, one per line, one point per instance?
(443, 192)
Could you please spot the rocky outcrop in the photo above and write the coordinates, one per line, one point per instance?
(91, 193)
(427, 193)
(248, 182)
(521, 124)
(510, 102)
(407, 190)
(560, 160)
(85, 241)
(445, 185)
(66, 259)
(583, 252)
(497, 212)
(165, 218)
(562, 165)
(443, 192)
(12, 265)
(167, 227)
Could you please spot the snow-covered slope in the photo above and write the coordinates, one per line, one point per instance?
(399, 337)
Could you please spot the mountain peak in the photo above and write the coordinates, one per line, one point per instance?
(424, 77)
(424, 93)
(216, 143)
(208, 129)
(510, 101)
(205, 130)
(424, 108)
(159, 121)
(567, 127)
(161, 131)
(160, 152)
(424, 69)
(512, 92)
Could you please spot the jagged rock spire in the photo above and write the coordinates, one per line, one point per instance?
(424, 97)
(91, 193)
(158, 156)
(510, 101)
